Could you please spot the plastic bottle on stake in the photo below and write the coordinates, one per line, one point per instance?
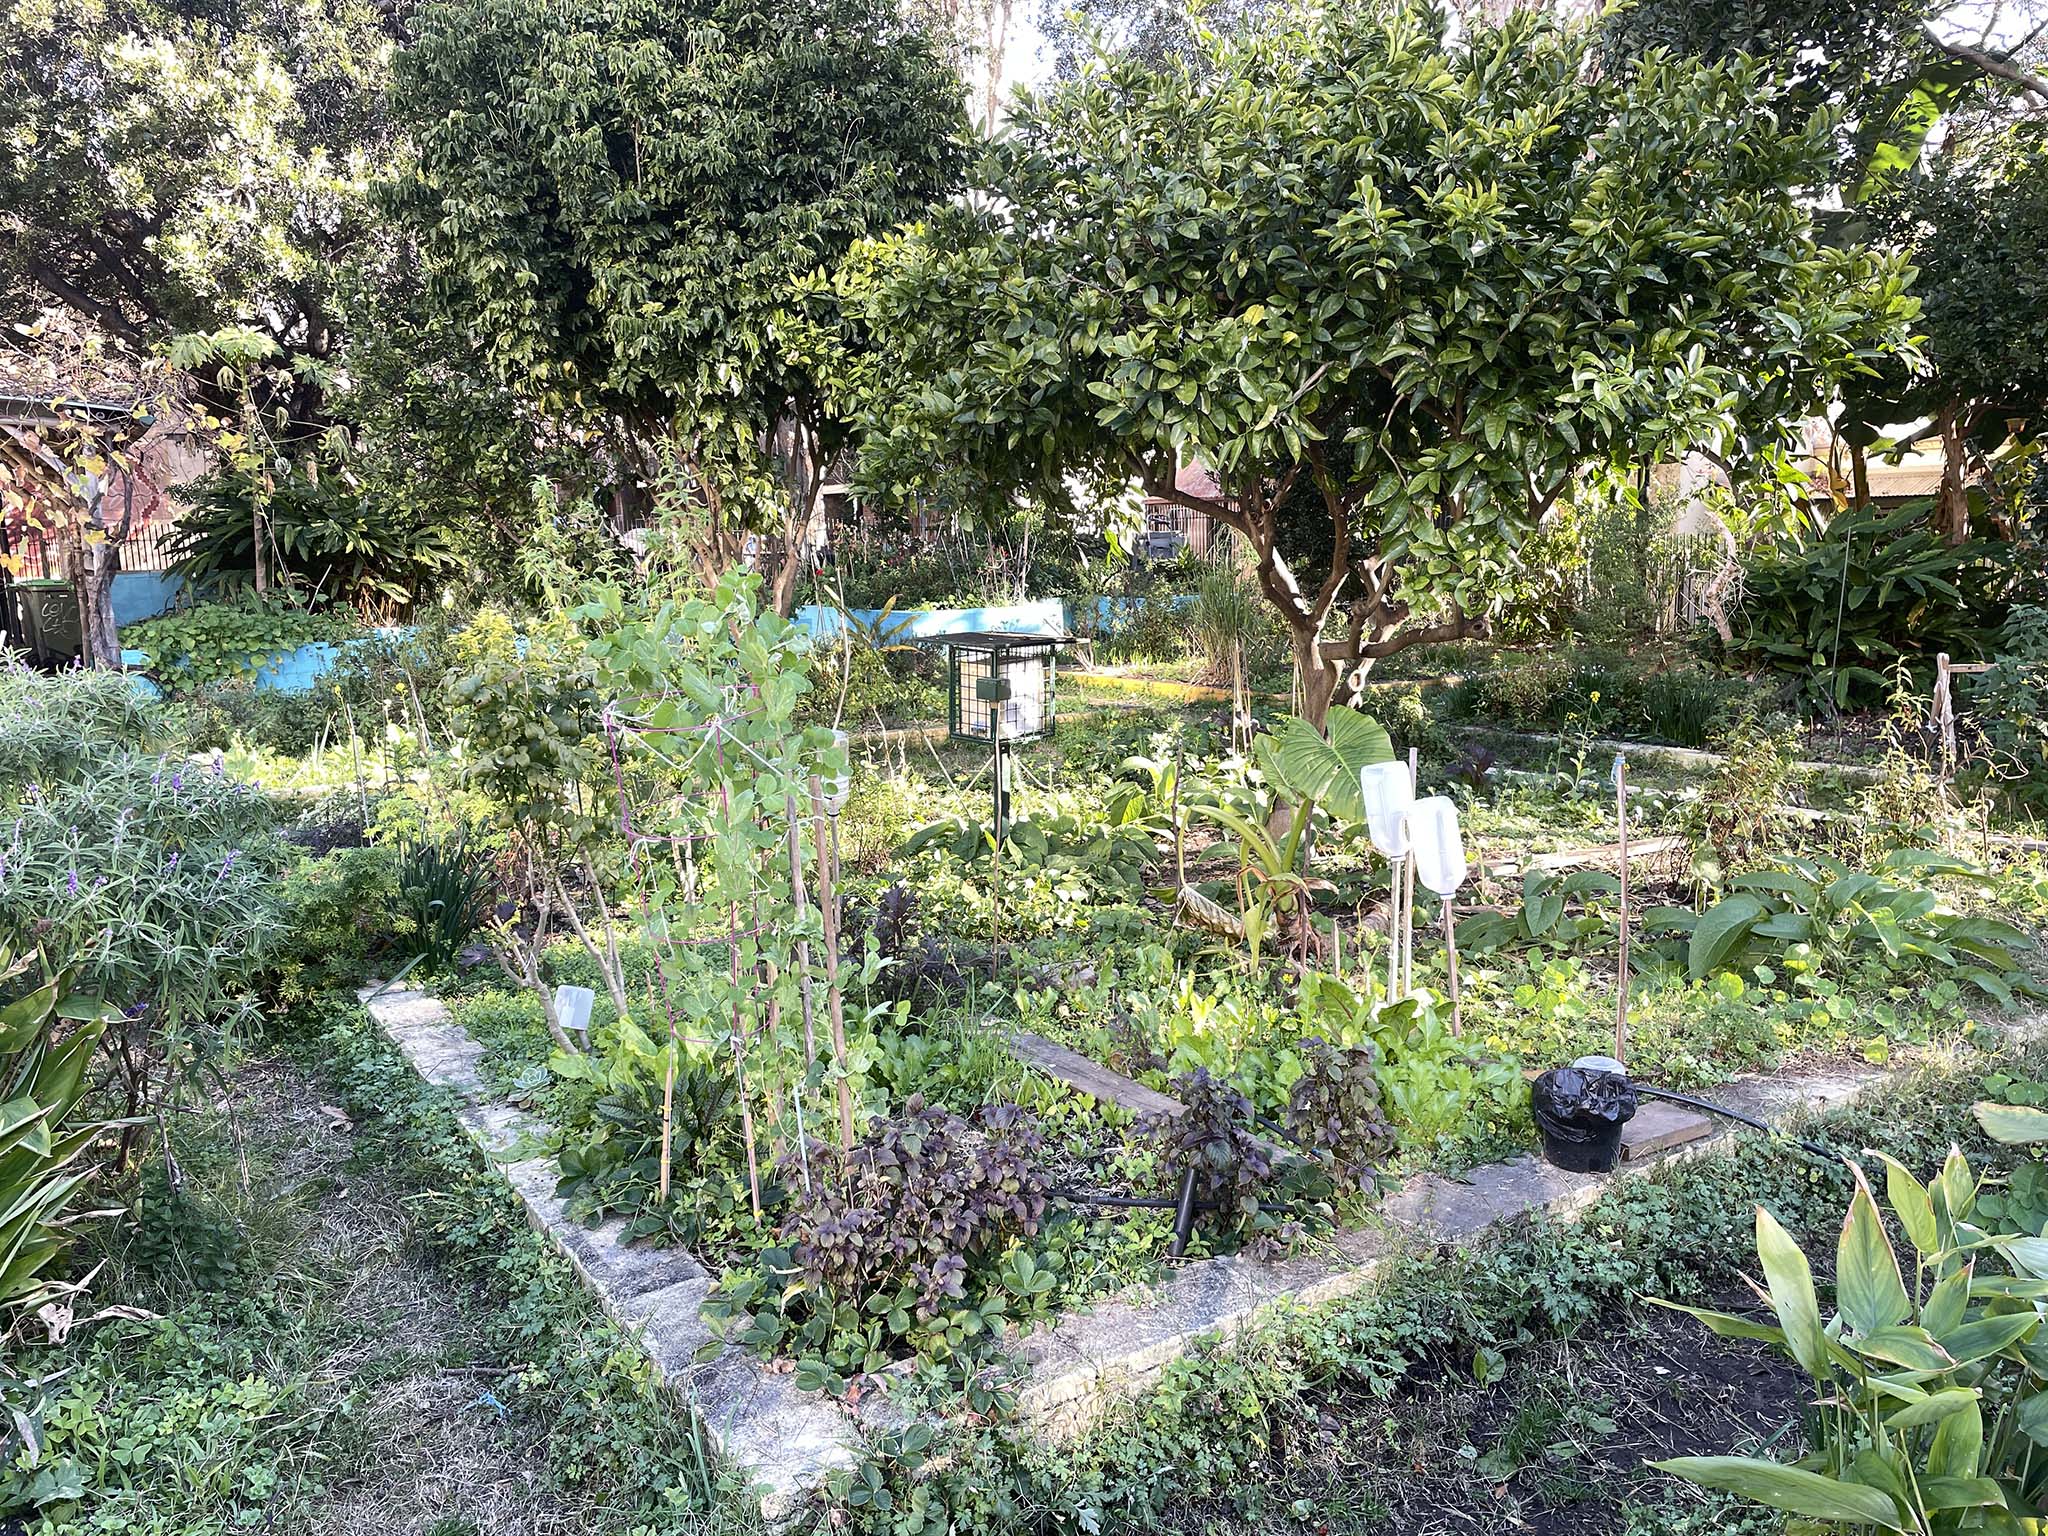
(1439, 854)
(1388, 790)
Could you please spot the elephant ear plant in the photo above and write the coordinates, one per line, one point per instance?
(1930, 1408)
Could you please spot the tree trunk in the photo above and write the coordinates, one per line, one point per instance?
(1318, 677)
(1952, 501)
(91, 562)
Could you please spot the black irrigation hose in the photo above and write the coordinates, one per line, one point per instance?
(1812, 1148)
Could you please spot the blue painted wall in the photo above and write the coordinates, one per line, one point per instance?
(140, 595)
(1041, 618)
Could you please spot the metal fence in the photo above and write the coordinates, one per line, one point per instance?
(34, 556)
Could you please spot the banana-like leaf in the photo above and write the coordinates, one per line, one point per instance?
(1302, 763)
(1787, 1488)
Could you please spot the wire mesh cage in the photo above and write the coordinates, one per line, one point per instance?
(1001, 687)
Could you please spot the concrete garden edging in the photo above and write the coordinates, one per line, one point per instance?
(788, 1441)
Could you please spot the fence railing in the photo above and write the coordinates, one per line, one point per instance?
(33, 556)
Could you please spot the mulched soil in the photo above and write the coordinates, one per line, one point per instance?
(1556, 1447)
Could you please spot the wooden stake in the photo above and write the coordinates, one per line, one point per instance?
(739, 1063)
(1451, 964)
(1621, 980)
(1408, 925)
(835, 1015)
(800, 896)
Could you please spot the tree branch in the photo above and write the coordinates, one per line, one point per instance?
(1991, 63)
(1458, 627)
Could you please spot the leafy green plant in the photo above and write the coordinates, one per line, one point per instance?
(1432, 1083)
(1875, 588)
(216, 642)
(1541, 916)
(48, 1034)
(1817, 911)
(52, 725)
(1111, 856)
(447, 892)
(1929, 1396)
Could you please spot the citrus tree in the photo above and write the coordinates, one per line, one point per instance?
(1397, 285)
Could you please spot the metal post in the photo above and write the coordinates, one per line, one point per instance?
(1183, 1216)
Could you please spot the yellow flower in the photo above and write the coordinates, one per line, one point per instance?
(1596, 696)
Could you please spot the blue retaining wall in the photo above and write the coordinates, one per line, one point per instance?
(140, 595)
(1042, 618)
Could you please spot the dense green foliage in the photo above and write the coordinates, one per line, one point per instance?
(625, 203)
(191, 649)
(1870, 590)
(1496, 268)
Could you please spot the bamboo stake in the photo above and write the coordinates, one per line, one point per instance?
(739, 1063)
(834, 1008)
(1408, 887)
(1393, 929)
(1621, 980)
(800, 896)
(1451, 964)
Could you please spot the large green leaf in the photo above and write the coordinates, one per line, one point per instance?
(1787, 1488)
(1868, 1288)
(1910, 1202)
(2016, 1125)
(1722, 931)
(1790, 1281)
(1302, 764)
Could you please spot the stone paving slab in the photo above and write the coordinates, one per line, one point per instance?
(1658, 1127)
(786, 1441)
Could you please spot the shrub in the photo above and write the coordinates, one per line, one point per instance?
(158, 880)
(901, 1246)
(52, 724)
(1876, 588)
(208, 643)
(1334, 1111)
(890, 684)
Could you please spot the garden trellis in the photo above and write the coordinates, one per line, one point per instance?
(713, 780)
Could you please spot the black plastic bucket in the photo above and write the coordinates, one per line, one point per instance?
(1600, 1152)
(1580, 1114)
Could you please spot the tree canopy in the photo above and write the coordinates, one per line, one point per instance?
(1397, 285)
(622, 203)
(175, 168)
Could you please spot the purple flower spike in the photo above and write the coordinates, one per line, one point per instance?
(71, 882)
